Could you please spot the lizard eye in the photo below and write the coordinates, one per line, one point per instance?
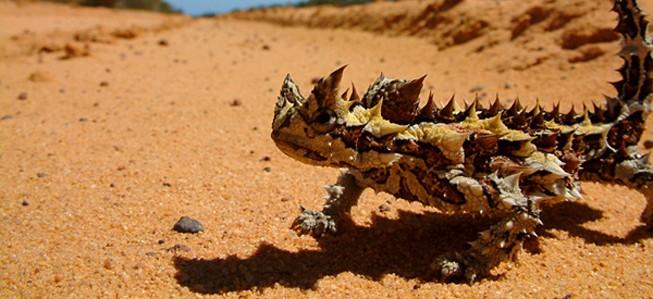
(324, 121)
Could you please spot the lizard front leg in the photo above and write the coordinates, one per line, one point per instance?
(340, 197)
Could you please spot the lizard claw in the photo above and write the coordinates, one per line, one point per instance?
(316, 224)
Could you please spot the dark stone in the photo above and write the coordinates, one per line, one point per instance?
(267, 169)
(41, 174)
(178, 247)
(188, 225)
(236, 103)
(22, 96)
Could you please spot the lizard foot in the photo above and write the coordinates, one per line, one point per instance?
(316, 224)
(452, 268)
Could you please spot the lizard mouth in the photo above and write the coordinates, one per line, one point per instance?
(297, 151)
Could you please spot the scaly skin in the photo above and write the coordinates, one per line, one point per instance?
(495, 160)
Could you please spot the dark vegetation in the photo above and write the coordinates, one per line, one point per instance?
(153, 5)
(330, 2)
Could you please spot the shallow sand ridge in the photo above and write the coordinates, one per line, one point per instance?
(101, 153)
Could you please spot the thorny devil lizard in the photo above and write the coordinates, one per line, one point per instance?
(497, 161)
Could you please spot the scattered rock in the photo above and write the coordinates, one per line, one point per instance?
(266, 48)
(124, 33)
(267, 169)
(37, 77)
(166, 184)
(178, 247)
(648, 144)
(161, 241)
(477, 89)
(188, 225)
(6, 117)
(73, 51)
(236, 103)
(284, 199)
(22, 96)
(108, 264)
(41, 174)
(83, 119)
(150, 253)
(163, 42)
(266, 159)
(104, 84)
(25, 203)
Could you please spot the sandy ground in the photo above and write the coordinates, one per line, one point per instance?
(115, 124)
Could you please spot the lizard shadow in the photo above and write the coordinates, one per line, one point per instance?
(405, 247)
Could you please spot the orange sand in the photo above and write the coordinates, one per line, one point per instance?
(117, 141)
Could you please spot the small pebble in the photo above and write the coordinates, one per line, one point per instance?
(163, 42)
(188, 225)
(266, 47)
(648, 144)
(235, 103)
(41, 174)
(25, 203)
(266, 159)
(166, 184)
(108, 264)
(83, 119)
(22, 96)
(477, 88)
(178, 247)
(267, 169)
(161, 241)
(104, 84)
(6, 117)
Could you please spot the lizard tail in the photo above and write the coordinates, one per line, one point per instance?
(634, 88)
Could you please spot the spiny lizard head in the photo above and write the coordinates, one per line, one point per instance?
(301, 127)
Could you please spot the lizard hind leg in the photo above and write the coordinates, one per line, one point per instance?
(501, 242)
(340, 197)
(636, 171)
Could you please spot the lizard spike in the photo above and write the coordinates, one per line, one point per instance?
(344, 94)
(613, 107)
(326, 89)
(599, 113)
(471, 110)
(538, 108)
(515, 108)
(495, 108)
(354, 94)
(555, 112)
(570, 117)
(448, 110)
(411, 89)
(520, 119)
(538, 120)
(428, 111)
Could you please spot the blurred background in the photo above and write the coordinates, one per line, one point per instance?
(204, 7)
